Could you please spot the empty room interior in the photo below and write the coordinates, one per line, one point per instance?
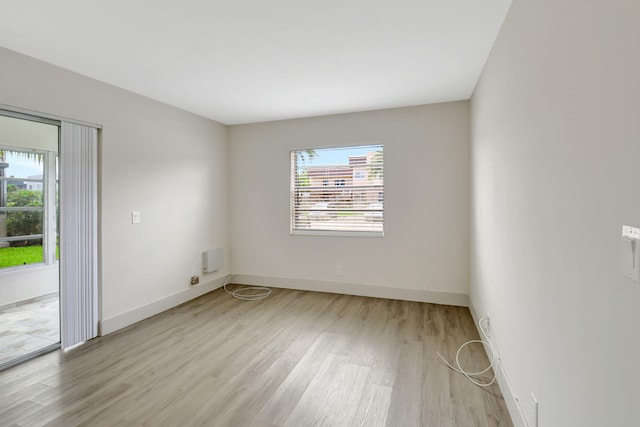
(356, 213)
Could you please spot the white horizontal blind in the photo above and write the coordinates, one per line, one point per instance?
(78, 233)
(338, 191)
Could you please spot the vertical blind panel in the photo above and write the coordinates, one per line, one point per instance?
(78, 233)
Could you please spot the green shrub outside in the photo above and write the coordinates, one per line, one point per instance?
(24, 223)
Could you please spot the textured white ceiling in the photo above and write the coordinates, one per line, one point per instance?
(245, 61)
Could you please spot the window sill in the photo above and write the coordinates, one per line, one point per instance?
(9, 271)
(338, 233)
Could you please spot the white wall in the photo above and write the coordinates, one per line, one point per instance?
(168, 164)
(555, 173)
(23, 285)
(424, 250)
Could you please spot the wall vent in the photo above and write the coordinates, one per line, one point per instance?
(211, 260)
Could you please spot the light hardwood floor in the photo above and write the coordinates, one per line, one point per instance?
(294, 359)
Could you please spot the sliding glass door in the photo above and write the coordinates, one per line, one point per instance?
(29, 273)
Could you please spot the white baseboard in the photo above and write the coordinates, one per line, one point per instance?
(420, 295)
(517, 417)
(123, 320)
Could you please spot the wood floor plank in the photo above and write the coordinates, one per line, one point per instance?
(281, 403)
(437, 407)
(332, 396)
(295, 359)
(373, 406)
(406, 398)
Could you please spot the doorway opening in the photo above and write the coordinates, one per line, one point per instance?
(29, 238)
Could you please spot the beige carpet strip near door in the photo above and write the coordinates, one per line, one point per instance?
(294, 359)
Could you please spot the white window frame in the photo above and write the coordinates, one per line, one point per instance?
(338, 233)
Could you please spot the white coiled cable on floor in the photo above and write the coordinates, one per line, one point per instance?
(471, 376)
(248, 293)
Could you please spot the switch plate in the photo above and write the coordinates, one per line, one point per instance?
(135, 217)
(631, 252)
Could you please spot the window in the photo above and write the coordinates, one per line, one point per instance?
(352, 206)
(27, 207)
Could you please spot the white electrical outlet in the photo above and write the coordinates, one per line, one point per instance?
(339, 269)
(135, 217)
(631, 252)
(486, 325)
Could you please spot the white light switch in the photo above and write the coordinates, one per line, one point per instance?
(135, 217)
(631, 252)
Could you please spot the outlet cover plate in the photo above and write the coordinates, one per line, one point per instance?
(630, 252)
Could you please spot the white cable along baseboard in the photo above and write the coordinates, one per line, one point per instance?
(246, 293)
(515, 411)
(474, 376)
